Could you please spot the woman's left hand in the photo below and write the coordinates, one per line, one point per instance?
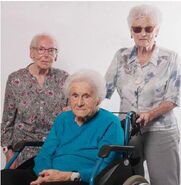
(144, 118)
(51, 175)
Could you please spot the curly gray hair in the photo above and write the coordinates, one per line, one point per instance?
(143, 11)
(94, 78)
(40, 35)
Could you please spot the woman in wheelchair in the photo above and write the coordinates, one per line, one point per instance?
(70, 151)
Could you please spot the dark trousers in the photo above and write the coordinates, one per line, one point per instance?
(24, 177)
(17, 177)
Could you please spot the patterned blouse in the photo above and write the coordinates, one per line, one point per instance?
(29, 110)
(144, 88)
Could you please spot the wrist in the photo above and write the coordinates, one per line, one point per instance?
(5, 149)
(75, 176)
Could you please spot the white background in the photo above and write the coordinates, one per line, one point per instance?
(88, 33)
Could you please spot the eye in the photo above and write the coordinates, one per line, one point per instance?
(51, 50)
(74, 95)
(86, 96)
(41, 49)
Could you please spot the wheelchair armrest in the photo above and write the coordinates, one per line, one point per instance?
(18, 147)
(106, 149)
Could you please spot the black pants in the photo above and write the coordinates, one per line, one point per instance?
(24, 177)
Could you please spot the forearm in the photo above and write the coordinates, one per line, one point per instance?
(146, 117)
(6, 134)
(163, 108)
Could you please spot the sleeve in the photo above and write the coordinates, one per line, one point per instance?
(173, 86)
(62, 82)
(113, 135)
(43, 158)
(111, 76)
(9, 114)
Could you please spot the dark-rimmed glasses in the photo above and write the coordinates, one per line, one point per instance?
(42, 50)
(138, 29)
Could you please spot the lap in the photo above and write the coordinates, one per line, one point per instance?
(66, 183)
(17, 176)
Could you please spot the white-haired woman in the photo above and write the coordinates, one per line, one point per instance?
(34, 96)
(70, 151)
(147, 78)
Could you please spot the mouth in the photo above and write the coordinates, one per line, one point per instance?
(80, 109)
(45, 62)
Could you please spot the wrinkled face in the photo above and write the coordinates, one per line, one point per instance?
(44, 53)
(144, 31)
(82, 99)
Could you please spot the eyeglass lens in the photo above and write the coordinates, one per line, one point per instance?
(138, 29)
(42, 50)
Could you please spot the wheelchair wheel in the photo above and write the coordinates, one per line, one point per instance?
(136, 180)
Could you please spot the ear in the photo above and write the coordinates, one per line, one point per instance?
(31, 54)
(98, 101)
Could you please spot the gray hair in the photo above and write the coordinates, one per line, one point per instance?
(143, 11)
(40, 35)
(94, 78)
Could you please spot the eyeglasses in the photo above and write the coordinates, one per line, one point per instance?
(138, 29)
(42, 50)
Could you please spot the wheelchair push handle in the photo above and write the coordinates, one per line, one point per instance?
(18, 147)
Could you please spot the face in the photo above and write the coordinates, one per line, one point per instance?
(82, 99)
(144, 32)
(44, 53)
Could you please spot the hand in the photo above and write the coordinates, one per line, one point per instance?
(51, 175)
(144, 118)
(9, 155)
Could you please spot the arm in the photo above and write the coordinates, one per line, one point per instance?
(112, 135)
(43, 158)
(9, 114)
(111, 76)
(171, 97)
(146, 117)
(8, 120)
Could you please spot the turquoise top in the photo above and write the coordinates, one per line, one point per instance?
(70, 147)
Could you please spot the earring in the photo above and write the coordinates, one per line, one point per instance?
(131, 36)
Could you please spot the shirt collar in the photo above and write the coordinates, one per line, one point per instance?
(153, 60)
(50, 72)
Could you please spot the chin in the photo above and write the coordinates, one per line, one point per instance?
(45, 66)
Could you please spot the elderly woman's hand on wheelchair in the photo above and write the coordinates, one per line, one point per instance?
(52, 175)
(144, 118)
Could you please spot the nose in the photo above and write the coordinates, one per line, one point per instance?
(80, 102)
(143, 32)
(46, 53)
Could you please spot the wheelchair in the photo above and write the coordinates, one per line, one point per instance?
(119, 172)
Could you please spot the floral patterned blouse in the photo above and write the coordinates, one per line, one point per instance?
(29, 110)
(144, 88)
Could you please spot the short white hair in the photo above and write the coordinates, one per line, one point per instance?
(145, 11)
(35, 39)
(95, 79)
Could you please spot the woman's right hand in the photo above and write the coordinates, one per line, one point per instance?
(9, 154)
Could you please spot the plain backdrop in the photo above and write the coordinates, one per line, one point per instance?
(88, 33)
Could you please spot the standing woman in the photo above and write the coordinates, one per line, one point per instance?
(147, 78)
(34, 96)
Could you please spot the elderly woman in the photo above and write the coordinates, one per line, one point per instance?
(147, 78)
(34, 96)
(71, 149)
